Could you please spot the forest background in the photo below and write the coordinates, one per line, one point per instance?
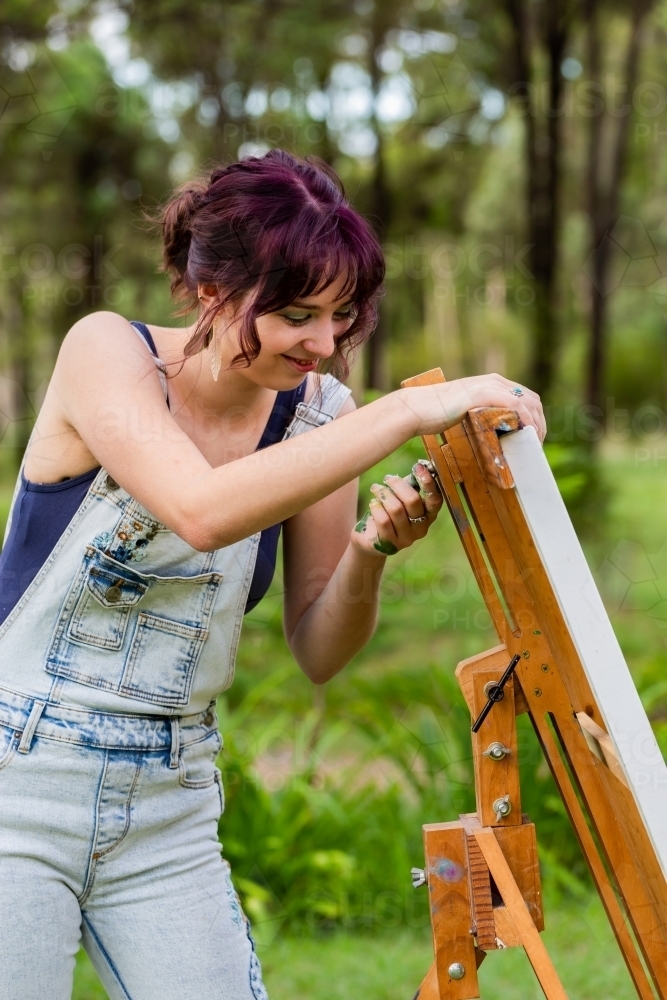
(512, 156)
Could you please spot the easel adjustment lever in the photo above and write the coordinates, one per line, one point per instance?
(495, 693)
(496, 751)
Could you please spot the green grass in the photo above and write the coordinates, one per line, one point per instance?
(390, 966)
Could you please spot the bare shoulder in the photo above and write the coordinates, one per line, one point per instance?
(103, 333)
(102, 364)
(103, 358)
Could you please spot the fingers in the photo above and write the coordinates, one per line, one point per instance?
(430, 494)
(386, 540)
(527, 403)
(529, 406)
(401, 511)
(404, 498)
(392, 520)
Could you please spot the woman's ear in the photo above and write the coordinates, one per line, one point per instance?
(207, 295)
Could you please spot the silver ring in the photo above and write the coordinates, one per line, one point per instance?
(517, 391)
(417, 520)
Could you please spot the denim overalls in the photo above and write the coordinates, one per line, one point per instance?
(110, 665)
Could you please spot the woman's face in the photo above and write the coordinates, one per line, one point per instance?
(293, 339)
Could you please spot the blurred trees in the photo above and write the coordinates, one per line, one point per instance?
(495, 146)
(608, 141)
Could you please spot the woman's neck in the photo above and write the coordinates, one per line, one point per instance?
(225, 418)
(191, 384)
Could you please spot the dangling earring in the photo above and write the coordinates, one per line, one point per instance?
(215, 351)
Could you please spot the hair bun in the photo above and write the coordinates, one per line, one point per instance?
(177, 228)
(218, 174)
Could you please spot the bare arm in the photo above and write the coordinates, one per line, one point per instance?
(333, 572)
(330, 597)
(109, 391)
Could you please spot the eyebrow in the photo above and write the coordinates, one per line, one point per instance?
(300, 304)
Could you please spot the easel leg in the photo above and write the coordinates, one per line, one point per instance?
(514, 902)
(429, 988)
(451, 912)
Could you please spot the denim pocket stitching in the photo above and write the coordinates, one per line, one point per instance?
(70, 615)
(12, 746)
(216, 776)
(70, 631)
(76, 631)
(179, 694)
(221, 790)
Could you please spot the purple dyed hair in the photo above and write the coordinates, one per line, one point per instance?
(264, 232)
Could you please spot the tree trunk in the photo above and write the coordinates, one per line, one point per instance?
(604, 194)
(378, 374)
(377, 370)
(542, 158)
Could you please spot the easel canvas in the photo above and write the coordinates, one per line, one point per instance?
(571, 678)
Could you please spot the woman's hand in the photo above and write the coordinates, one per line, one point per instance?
(398, 514)
(440, 406)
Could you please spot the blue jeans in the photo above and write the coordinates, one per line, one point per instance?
(108, 835)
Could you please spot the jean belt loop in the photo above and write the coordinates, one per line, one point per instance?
(31, 726)
(175, 742)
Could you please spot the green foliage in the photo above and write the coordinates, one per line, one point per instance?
(577, 471)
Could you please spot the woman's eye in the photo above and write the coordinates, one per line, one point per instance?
(296, 319)
(349, 314)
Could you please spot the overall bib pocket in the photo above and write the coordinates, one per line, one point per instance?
(139, 635)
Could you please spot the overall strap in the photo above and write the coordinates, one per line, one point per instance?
(144, 333)
(323, 407)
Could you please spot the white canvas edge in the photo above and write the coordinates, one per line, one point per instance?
(592, 632)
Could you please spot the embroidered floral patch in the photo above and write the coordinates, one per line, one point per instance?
(128, 543)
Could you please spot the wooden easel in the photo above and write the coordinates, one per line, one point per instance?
(482, 870)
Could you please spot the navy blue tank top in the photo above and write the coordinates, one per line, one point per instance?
(42, 512)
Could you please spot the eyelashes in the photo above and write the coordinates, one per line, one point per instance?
(302, 320)
(294, 321)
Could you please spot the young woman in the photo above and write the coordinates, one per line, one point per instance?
(144, 524)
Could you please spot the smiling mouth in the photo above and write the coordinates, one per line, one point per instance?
(301, 364)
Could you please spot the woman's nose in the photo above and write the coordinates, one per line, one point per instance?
(321, 339)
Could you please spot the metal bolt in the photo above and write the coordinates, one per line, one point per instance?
(502, 807)
(545, 668)
(418, 877)
(456, 970)
(491, 686)
(526, 654)
(536, 631)
(496, 751)
(537, 692)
